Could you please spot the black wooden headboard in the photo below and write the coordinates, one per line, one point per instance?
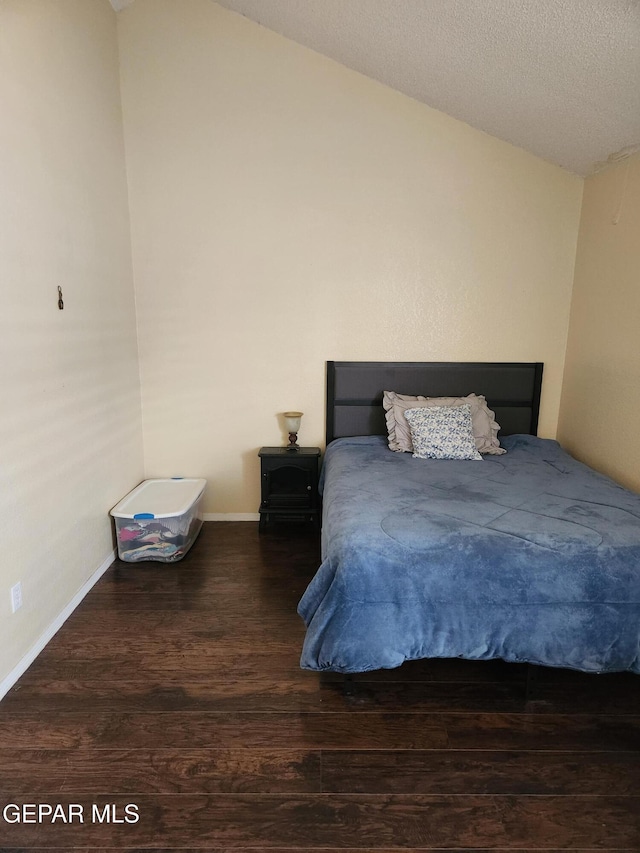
(355, 388)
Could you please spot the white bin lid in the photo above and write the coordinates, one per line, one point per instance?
(160, 498)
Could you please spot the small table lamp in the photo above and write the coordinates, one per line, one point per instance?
(292, 421)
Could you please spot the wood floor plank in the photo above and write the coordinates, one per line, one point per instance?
(58, 667)
(97, 771)
(160, 623)
(620, 696)
(153, 670)
(460, 670)
(30, 772)
(587, 733)
(241, 593)
(306, 849)
(478, 772)
(215, 667)
(310, 730)
(214, 649)
(217, 686)
(236, 820)
(168, 666)
(166, 694)
(183, 729)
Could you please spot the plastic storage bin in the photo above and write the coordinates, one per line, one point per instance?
(159, 520)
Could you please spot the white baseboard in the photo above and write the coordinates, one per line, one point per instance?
(231, 516)
(7, 683)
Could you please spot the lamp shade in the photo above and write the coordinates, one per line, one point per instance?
(292, 421)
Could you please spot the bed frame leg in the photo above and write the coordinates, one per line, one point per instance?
(348, 685)
(531, 682)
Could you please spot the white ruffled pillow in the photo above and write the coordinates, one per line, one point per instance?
(483, 422)
(442, 432)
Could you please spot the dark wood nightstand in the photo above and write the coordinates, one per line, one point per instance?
(289, 481)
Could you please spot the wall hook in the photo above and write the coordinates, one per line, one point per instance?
(60, 302)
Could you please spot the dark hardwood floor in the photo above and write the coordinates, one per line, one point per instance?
(176, 688)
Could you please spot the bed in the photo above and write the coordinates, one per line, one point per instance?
(526, 555)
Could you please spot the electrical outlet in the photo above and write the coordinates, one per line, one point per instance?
(16, 597)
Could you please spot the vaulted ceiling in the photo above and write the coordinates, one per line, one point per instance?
(559, 78)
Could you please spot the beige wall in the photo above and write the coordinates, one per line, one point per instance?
(70, 430)
(286, 211)
(601, 392)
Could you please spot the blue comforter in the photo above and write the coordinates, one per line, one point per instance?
(529, 556)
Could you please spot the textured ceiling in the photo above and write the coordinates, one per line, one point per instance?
(559, 78)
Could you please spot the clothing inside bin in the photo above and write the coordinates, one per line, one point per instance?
(144, 541)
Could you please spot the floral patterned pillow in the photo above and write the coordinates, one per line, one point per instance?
(442, 432)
